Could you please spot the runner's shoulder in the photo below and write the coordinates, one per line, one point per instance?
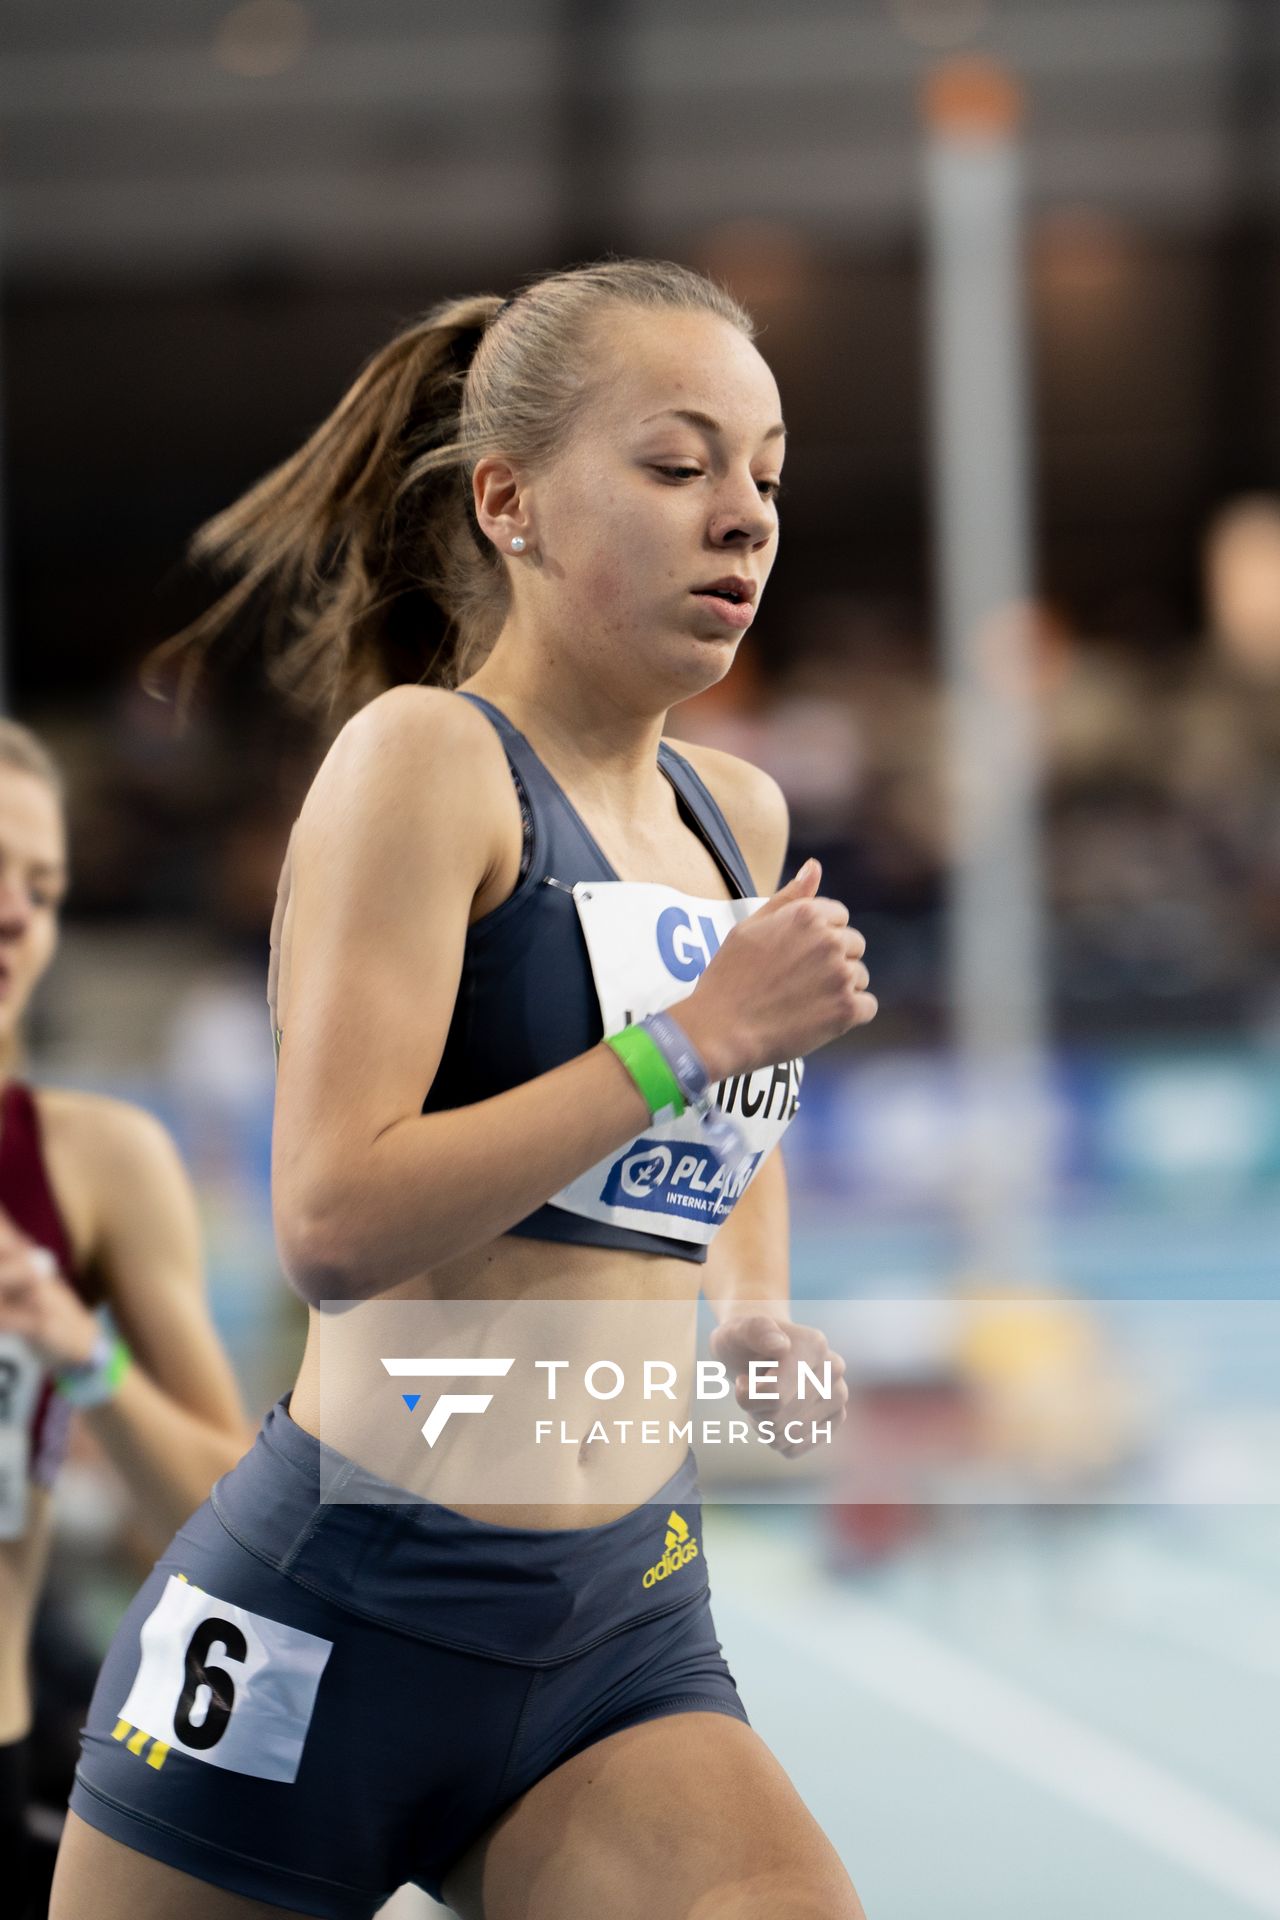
(102, 1154)
(99, 1124)
(410, 750)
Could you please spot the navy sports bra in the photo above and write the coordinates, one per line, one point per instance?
(573, 953)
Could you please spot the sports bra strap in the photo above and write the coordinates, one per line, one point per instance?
(701, 802)
(533, 783)
(538, 783)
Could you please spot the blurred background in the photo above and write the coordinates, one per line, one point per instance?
(1015, 267)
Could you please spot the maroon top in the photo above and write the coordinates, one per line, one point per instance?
(27, 1197)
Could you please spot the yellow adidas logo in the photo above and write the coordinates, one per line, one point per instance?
(681, 1548)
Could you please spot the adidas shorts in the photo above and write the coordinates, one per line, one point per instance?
(312, 1704)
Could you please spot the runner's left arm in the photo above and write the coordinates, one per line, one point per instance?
(749, 1261)
(176, 1422)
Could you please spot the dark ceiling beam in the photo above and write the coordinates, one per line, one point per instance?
(1245, 371)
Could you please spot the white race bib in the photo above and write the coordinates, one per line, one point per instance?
(20, 1378)
(224, 1685)
(648, 946)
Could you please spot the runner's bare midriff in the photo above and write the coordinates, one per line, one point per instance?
(512, 1269)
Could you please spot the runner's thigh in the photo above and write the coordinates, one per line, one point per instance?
(688, 1817)
(99, 1878)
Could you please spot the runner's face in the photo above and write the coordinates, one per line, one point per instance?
(643, 507)
(32, 883)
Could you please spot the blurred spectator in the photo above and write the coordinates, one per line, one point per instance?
(1242, 582)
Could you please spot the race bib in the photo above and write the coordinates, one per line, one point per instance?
(224, 1685)
(20, 1377)
(648, 946)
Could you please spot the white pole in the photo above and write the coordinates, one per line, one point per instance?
(982, 504)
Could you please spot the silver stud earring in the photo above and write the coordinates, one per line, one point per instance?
(517, 545)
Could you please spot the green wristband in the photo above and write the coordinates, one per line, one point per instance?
(95, 1383)
(642, 1058)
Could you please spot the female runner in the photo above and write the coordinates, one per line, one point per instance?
(309, 1703)
(95, 1209)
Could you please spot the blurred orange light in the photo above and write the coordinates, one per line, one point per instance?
(968, 99)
